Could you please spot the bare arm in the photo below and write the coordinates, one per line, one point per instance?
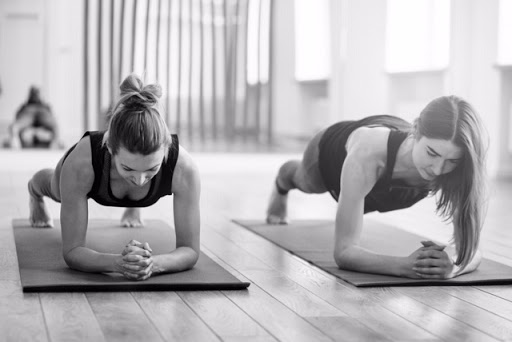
(434, 263)
(186, 190)
(77, 177)
(361, 170)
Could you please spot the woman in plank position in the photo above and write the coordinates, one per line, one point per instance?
(134, 163)
(383, 163)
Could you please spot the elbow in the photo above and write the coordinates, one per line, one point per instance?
(194, 258)
(341, 257)
(69, 258)
(341, 261)
(70, 263)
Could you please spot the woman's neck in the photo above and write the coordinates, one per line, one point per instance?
(114, 175)
(404, 166)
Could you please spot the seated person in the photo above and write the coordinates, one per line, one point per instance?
(34, 125)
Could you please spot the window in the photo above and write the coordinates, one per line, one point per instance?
(505, 33)
(417, 35)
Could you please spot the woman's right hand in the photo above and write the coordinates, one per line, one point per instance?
(410, 263)
(433, 258)
(135, 261)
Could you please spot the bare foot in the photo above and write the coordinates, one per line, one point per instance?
(131, 218)
(277, 211)
(39, 215)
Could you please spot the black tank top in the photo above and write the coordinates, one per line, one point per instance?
(387, 194)
(101, 192)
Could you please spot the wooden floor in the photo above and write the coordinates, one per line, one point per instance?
(288, 300)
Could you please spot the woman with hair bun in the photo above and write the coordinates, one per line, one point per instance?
(132, 164)
(383, 163)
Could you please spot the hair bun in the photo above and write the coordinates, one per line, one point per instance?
(151, 92)
(135, 95)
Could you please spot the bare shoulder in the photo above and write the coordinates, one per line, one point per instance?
(366, 155)
(186, 173)
(78, 165)
(368, 144)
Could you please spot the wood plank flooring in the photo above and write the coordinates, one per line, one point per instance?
(288, 300)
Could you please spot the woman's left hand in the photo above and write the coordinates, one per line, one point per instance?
(137, 261)
(135, 246)
(433, 262)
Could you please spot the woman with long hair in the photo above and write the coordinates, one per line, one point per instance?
(383, 163)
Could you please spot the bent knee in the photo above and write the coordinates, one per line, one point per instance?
(313, 188)
(43, 184)
(309, 182)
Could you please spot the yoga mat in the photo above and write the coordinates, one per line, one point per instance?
(312, 240)
(42, 267)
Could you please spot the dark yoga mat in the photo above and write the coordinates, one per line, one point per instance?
(42, 268)
(312, 240)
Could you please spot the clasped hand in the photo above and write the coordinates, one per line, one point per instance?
(431, 262)
(135, 261)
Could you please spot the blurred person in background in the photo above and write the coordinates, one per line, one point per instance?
(34, 125)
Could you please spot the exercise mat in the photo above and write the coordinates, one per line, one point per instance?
(42, 267)
(313, 241)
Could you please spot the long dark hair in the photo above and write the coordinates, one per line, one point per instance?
(462, 191)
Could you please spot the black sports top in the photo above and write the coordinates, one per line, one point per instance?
(102, 193)
(387, 194)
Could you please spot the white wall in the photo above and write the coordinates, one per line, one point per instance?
(472, 73)
(504, 136)
(364, 78)
(64, 51)
(41, 45)
(22, 54)
(360, 85)
(287, 97)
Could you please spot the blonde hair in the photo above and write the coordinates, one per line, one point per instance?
(136, 123)
(462, 196)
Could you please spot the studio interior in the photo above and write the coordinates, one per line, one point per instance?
(299, 191)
